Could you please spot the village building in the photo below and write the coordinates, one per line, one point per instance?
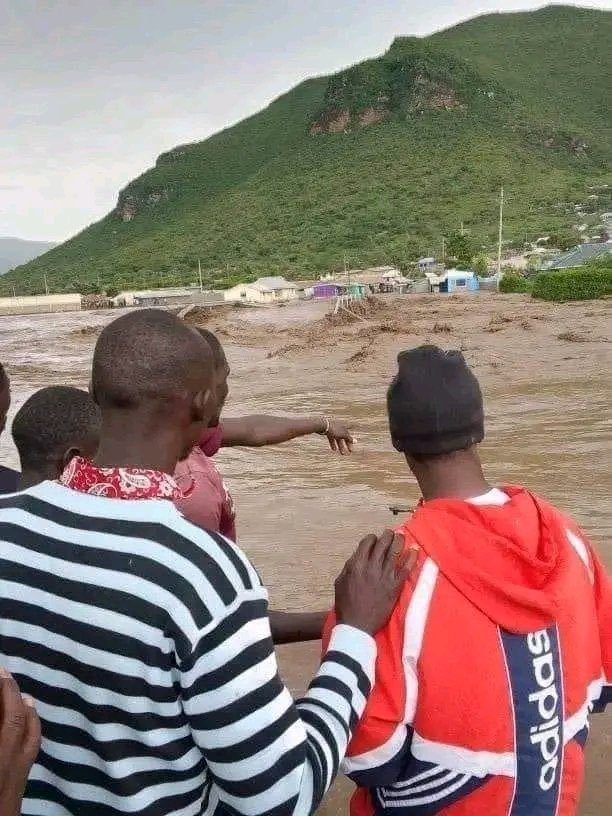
(178, 296)
(263, 291)
(327, 289)
(40, 304)
(426, 265)
(458, 280)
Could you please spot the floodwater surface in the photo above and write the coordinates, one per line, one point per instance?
(544, 370)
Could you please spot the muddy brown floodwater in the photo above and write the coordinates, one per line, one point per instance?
(545, 372)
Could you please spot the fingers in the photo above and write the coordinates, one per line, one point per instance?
(360, 556)
(395, 549)
(340, 439)
(19, 724)
(406, 563)
(387, 552)
(364, 550)
(380, 550)
(13, 714)
(338, 444)
(31, 737)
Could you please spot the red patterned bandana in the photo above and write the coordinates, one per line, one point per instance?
(121, 483)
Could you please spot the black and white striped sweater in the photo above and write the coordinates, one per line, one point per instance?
(145, 643)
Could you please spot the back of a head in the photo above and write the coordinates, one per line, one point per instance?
(215, 346)
(149, 357)
(434, 403)
(52, 421)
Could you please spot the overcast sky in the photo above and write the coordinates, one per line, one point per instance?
(93, 90)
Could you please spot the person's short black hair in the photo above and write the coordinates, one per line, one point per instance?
(148, 356)
(50, 422)
(215, 346)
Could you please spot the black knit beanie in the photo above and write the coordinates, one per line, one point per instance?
(434, 403)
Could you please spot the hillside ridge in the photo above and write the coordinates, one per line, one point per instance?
(376, 162)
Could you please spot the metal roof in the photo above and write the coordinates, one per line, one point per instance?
(273, 283)
(159, 293)
(578, 255)
(454, 274)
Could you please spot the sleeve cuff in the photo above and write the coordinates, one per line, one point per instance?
(356, 644)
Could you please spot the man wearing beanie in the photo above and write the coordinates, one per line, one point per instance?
(500, 645)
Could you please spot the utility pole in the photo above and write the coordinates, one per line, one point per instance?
(46, 284)
(200, 275)
(499, 241)
(443, 250)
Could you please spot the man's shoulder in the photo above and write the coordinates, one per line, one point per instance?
(195, 565)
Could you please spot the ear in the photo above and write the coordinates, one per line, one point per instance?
(202, 406)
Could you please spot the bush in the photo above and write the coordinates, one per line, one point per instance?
(513, 282)
(587, 283)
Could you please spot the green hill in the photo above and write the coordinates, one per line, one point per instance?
(378, 162)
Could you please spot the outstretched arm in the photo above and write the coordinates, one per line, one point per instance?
(258, 430)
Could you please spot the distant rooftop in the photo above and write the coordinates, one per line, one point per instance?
(578, 255)
(160, 293)
(273, 283)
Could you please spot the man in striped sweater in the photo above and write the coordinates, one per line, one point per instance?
(144, 641)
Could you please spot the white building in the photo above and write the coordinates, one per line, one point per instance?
(263, 291)
(40, 304)
(140, 297)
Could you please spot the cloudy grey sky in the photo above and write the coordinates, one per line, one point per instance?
(93, 90)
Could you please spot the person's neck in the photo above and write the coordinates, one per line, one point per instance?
(456, 476)
(29, 478)
(131, 441)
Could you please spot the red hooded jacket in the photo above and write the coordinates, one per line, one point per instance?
(497, 651)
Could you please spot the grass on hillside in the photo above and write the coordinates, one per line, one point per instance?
(265, 197)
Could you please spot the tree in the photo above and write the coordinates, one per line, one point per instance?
(562, 239)
(481, 265)
(460, 249)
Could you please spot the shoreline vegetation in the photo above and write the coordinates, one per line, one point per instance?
(589, 282)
